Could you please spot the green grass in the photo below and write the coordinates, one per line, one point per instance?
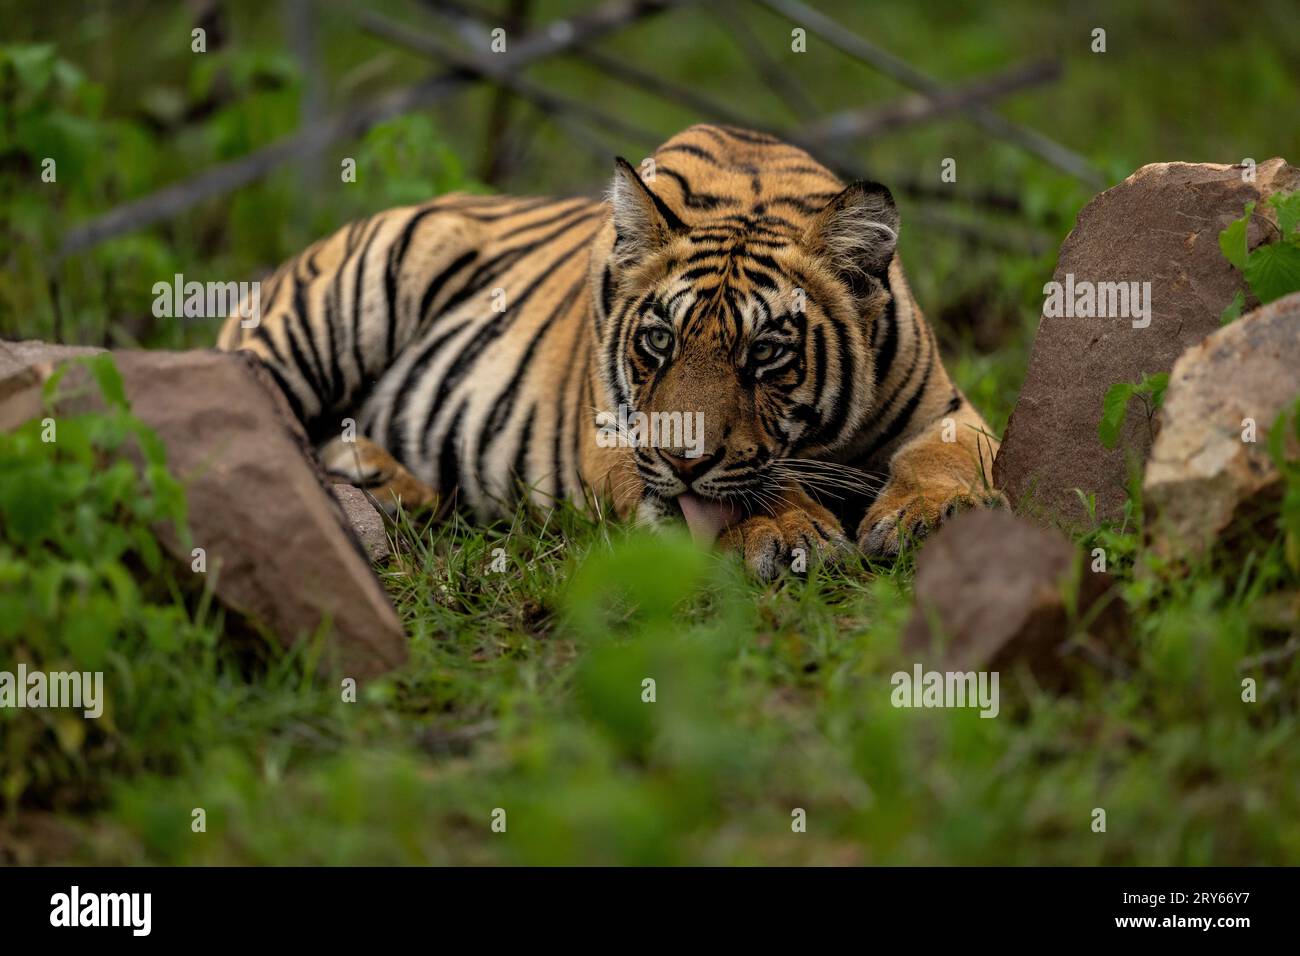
(525, 693)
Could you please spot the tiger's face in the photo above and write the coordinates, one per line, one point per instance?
(737, 343)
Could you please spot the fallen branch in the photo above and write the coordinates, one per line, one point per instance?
(495, 69)
(226, 177)
(900, 70)
(920, 108)
(554, 38)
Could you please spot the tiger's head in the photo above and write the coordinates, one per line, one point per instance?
(734, 298)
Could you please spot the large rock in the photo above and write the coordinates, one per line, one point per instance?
(278, 548)
(1161, 225)
(1204, 476)
(994, 590)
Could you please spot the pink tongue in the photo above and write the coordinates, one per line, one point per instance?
(707, 517)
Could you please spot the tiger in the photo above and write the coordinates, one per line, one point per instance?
(479, 346)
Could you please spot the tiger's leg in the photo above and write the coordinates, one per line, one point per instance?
(365, 464)
(945, 469)
(797, 533)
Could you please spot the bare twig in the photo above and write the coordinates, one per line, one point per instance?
(774, 75)
(302, 28)
(469, 21)
(656, 85)
(898, 69)
(861, 123)
(496, 69)
(498, 122)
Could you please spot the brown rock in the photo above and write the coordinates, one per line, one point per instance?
(18, 356)
(1161, 225)
(1203, 478)
(367, 524)
(278, 547)
(23, 367)
(993, 590)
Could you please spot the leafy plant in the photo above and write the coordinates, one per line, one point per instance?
(1150, 391)
(85, 587)
(1271, 270)
(1289, 510)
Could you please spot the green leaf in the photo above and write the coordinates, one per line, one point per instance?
(1274, 271)
(1154, 385)
(1113, 409)
(1233, 311)
(109, 379)
(1288, 211)
(1232, 241)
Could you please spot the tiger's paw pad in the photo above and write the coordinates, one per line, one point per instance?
(896, 522)
(792, 540)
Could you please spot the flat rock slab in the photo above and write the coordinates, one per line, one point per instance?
(1161, 225)
(279, 549)
(994, 590)
(1205, 479)
(365, 520)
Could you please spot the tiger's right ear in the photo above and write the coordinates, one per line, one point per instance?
(642, 221)
(856, 233)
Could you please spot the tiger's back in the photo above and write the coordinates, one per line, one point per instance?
(439, 328)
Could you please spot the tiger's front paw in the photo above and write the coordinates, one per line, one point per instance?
(793, 539)
(898, 517)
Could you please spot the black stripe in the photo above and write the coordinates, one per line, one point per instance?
(840, 407)
(538, 223)
(441, 279)
(356, 299)
(749, 136)
(694, 200)
(396, 259)
(886, 326)
(515, 210)
(396, 441)
(299, 359)
(520, 467)
(490, 269)
(449, 456)
(495, 422)
(696, 151)
(488, 333)
(288, 392)
(300, 313)
(902, 419)
(606, 292)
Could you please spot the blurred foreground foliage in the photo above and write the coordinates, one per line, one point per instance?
(85, 587)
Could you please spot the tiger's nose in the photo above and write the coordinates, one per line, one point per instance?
(687, 469)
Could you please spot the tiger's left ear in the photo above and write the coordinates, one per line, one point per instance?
(642, 221)
(856, 232)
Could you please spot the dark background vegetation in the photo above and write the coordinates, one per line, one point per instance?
(524, 690)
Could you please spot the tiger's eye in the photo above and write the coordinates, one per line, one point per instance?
(660, 339)
(764, 352)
